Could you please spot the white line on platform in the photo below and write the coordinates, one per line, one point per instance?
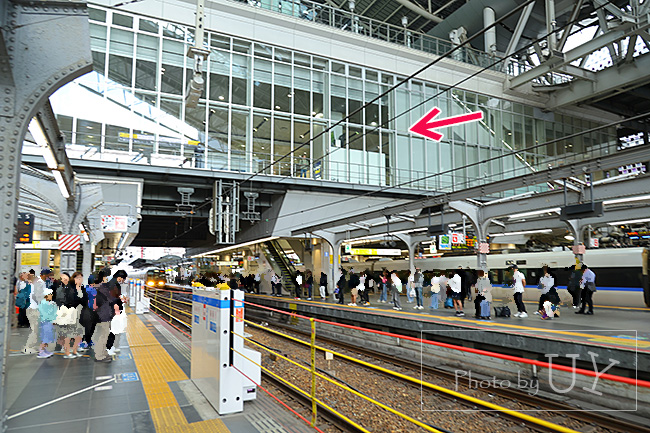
(58, 399)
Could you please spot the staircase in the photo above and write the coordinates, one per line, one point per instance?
(286, 270)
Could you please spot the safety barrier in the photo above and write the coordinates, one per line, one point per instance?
(163, 304)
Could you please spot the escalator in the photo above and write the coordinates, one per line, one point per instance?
(279, 259)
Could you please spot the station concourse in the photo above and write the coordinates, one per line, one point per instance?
(278, 146)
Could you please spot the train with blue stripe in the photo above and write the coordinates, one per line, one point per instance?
(621, 273)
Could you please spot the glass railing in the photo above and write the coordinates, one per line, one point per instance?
(344, 20)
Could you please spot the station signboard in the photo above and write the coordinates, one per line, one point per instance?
(375, 251)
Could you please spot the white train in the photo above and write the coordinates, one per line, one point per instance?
(621, 274)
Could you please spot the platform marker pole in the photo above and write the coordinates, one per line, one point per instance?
(171, 296)
(313, 372)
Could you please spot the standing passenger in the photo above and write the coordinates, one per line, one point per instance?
(435, 290)
(455, 284)
(485, 292)
(396, 288)
(383, 297)
(47, 315)
(35, 298)
(107, 308)
(409, 286)
(309, 283)
(298, 285)
(519, 284)
(588, 283)
(573, 285)
(340, 287)
(418, 281)
(545, 284)
(323, 286)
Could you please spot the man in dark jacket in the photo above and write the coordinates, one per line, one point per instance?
(116, 292)
(107, 308)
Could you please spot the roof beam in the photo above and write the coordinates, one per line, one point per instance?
(615, 79)
(580, 51)
(629, 156)
(417, 9)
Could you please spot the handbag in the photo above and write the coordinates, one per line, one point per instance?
(22, 299)
(66, 316)
(118, 324)
(412, 292)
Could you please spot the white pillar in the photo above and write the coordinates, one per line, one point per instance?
(490, 35)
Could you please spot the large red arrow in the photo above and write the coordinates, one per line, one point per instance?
(425, 125)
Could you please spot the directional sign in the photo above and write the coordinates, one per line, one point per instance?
(425, 125)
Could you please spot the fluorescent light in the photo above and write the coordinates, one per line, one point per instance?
(569, 238)
(258, 241)
(627, 199)
(620, 223)
(39, 136)
(529, 232)
(535, 212)
(61, 183)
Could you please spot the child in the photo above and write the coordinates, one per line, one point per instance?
(47, 310)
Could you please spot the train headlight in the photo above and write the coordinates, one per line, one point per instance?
(161, 283)
(150, 283)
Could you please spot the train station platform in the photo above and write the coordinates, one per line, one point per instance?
(146, 388)
(612, 332)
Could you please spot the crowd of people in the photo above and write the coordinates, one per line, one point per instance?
(72, 316)
(452, 288)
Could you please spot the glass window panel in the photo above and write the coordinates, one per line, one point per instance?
(338, 105)
(282, 146)
(120, 69)
(356, 155)
(173, 52)
(402, 99)
(172, 79)
(148, 26)
(240, 80)
(89, 133)
(338, 68)
(402, 172)
(121, 42)
(282, 55)
(319, 149)
(302, 59)
(320, 64)
(264, 51)
(372, 75)
(387, 79)
(418, 158)
(240, 141)
(283, 98)
(301, 102)
(460, 174)
(171, 107)
(432, 167)
(374, 167)
(387, 149)
(96, 14)
(99, 62)
(117, 138)
(261, 143)
(302, 154)
(147, 48)
(518, 132)
(445, 182)
(143, 143)
(65, 126)
(97, 37)
(220, 41)
(262, 84)
(174, 31)
(241, 46)
(354, 106)
(217, 144)
(318, 89)
(355, 72)
(219, 87)
(146, 74)
(194, 142)
(122, 20)
(385, 108)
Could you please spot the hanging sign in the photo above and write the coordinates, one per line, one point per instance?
(457, 238)
(444, 242)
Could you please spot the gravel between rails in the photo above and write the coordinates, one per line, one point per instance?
(424, 405)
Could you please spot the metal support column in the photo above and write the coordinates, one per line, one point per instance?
(474, 213)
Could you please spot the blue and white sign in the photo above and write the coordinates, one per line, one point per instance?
(444, 242)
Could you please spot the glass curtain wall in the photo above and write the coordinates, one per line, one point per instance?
(268, 109)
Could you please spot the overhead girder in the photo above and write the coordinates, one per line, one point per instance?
(549, 200)
(618, 159)
(558, 61)
(616, 79)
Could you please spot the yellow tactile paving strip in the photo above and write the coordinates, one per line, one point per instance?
(156, 369)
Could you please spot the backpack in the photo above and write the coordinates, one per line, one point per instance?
(22, 299)
(502, 311)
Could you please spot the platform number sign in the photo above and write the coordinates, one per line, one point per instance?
(25, 228)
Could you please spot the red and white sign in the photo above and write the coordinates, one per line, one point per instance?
(594, 243)
(457, 238)
(484, 248)
(114, 223)
(425, 125)
(69, 242)
(579, 249)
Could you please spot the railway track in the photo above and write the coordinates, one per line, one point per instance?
(542, 404)
(590, 417)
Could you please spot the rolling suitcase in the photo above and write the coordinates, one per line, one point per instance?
(485, 309)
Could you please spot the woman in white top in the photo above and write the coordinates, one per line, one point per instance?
(455, 284)
(435, 290)
(484, 289)
(518, 286)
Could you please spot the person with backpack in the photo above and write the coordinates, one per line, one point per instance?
(573, 286)
(35, 298)
(368, 284)
(353, 286)
(107, 308)
(455, 284)
(340, 287)
(88, 316)
(22, 301)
